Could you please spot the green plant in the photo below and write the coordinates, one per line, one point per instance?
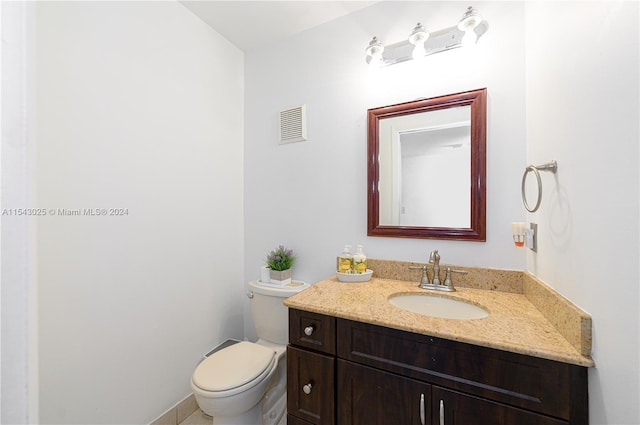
(280, 258)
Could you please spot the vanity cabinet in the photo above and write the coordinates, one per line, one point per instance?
(311, 369)
(372, 375)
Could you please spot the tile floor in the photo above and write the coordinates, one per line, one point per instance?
(197, 418)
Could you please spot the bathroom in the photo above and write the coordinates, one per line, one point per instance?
(142, 106)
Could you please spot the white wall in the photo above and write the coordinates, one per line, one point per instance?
(562, 81)
(18, 354)
(425, 174)
(311, 195)
(582, 110)
(139, 106)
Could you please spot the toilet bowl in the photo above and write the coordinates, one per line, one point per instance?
(245, 383)
(231, 382)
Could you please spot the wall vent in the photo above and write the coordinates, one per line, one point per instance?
(293, 125)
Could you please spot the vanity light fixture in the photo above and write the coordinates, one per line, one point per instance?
(423, 43)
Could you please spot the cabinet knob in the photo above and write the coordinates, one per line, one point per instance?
(307, 388)
(308, 330)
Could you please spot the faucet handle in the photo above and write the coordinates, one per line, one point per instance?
(424, 280)
(447, 278)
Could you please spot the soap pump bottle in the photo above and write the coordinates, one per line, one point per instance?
(359, 261)
(345, 260)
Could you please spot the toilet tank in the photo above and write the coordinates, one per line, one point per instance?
(270, 316)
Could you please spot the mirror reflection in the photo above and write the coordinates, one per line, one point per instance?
(427, 167)
(425, 163)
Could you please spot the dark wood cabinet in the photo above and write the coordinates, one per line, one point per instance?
(375, 375)
(454, 408)
(372, 397)
(314, 331)
(310, 386)
(293, 420)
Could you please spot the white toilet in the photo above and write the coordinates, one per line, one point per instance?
(245, 383)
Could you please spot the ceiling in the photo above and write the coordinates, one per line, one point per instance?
(252, 24)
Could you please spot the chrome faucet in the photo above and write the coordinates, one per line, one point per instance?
(447, 285)
(434, 258)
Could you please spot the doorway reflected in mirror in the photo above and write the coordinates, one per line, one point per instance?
(427, 167)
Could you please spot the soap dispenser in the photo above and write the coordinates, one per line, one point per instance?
(359, 261)
(345, 260)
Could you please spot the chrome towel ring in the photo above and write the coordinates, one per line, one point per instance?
(549, 166)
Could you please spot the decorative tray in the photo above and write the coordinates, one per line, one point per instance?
(355, 277)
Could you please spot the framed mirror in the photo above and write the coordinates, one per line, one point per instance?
(426, 168)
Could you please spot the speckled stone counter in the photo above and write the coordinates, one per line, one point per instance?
(514, 323)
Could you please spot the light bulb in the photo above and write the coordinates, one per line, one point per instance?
(470, 20)
(376, 60)
(418, 51)
(417, 38)
(374, 53)
(469, 38)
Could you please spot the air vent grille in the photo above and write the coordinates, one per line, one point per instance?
(293, 125)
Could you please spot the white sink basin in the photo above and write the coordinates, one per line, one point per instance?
(434, 306)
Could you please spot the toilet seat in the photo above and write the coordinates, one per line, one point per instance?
(234, 369)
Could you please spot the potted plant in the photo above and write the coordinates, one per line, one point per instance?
(279, 261)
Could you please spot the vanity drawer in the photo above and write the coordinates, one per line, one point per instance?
(312, 330)
(540, 385)
(310, 386)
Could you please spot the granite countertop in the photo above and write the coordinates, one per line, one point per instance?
(514, 324)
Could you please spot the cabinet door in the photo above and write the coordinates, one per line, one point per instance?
(292, 420)
(310, 386)
(369, 396)
(453, 408)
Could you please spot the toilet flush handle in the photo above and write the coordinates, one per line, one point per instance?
(250, 295)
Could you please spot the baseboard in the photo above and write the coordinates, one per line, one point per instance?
(178, 413)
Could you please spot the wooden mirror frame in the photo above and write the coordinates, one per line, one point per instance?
(477, 99)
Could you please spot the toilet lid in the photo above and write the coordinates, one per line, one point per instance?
(233, 366)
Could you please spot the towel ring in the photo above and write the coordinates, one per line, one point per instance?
(535, 169)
